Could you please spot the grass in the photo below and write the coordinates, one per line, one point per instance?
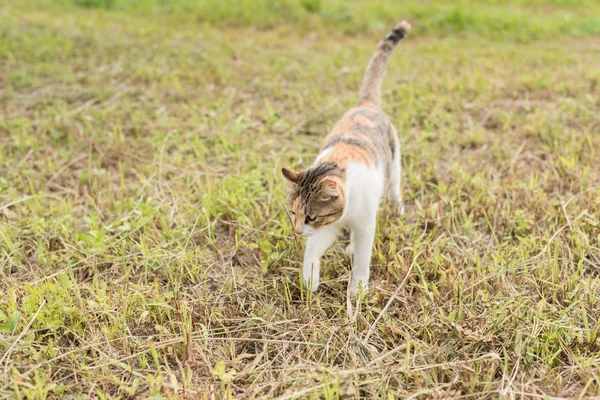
(521, 19)
(145, 252)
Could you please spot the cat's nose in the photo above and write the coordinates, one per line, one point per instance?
(298, 229)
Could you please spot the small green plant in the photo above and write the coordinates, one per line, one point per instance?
(105, 4)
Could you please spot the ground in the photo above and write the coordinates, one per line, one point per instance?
(144, 246)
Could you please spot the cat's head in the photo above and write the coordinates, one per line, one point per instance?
(316, 196)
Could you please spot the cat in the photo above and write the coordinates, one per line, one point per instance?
(358, 162)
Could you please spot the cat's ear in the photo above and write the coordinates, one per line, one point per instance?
(330, 188)
(291, 175)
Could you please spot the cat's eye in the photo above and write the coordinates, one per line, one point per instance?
(309, 219)
(293, 213)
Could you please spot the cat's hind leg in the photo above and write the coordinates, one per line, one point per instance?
(394, 194)
(364, 236)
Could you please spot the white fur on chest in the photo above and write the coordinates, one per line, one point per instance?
(364, 189)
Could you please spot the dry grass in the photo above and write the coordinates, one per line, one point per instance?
(144, 251)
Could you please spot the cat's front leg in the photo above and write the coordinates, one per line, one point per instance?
(364, 235)
(316, 246)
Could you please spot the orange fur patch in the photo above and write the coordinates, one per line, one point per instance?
(341, 153)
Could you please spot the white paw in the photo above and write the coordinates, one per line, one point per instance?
(400, 208)
(396, 204)
(311, 284)
(310, 275)
(357, 287)
(397, 207)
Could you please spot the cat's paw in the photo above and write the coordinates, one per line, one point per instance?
(396, 204)
(400, 208)
(358, 287)
(311, 284)
(397, 209)
(310, 274)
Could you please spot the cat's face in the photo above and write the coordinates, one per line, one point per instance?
(316, 198)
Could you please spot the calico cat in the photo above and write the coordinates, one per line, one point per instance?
(358, 162)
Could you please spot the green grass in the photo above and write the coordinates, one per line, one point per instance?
(507, 19)
(145, 252)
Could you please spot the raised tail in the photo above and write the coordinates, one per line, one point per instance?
(370, 87)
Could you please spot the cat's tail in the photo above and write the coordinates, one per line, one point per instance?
(370, 87)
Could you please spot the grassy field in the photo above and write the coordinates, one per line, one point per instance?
(145, 251)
